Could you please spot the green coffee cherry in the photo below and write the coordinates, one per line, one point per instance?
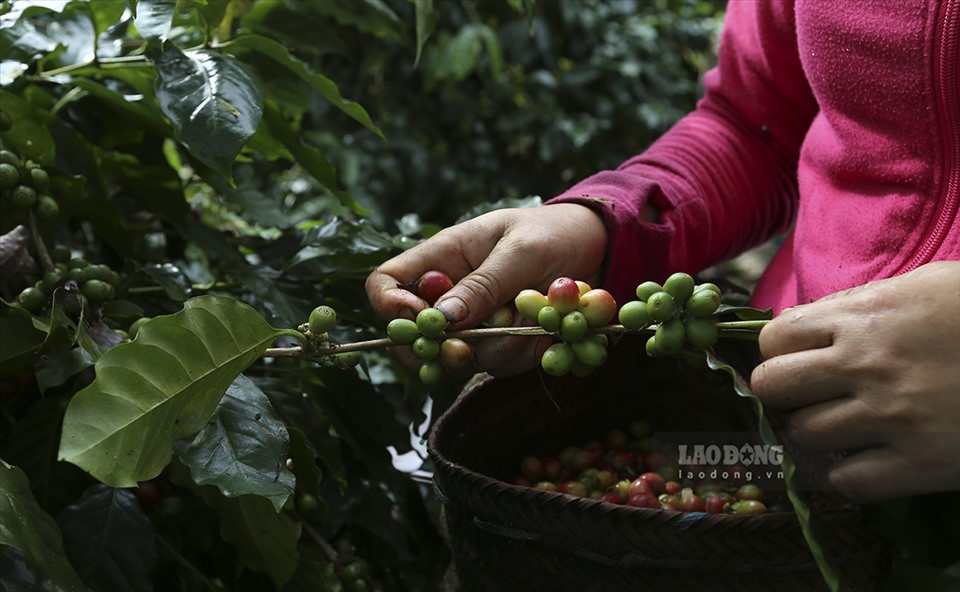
(648, 289)
(660, 307)
(33, 299)
(549, 318)
(702, 333)
(653, 348)
(322, 319)
(50, 281)
(431, 323)
(558, 359)
(77, 263)
(708, 286)
(679, 285)
(402, 331)
(96, 291)
(431, 372)
(39, 179)
(10, 158)
(23, 196)
(703, 303)
(633, 315)
(47, 207)
(589, 352)
(60, 253)
(9, 176)
(580, 370)
(426, 349)
(573, 326)
(670, 336)
(348, 359)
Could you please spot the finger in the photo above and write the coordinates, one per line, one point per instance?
(390, 301)
(495, 281)
(875, 474)
(797, 329)
(799, 379)
(839, 424)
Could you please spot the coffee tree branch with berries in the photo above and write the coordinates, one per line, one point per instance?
(183, 183)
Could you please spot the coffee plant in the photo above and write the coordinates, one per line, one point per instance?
(194, 394)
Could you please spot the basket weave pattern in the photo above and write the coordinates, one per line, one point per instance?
(506, 537)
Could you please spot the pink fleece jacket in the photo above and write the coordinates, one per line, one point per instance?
(840, 119)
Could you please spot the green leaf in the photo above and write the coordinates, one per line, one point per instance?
(323, 85)
(110, 540)
(153, 18)
(30, 136)
(137, 111)
(171, 278)
(266, 540)
(369, 16)
(814, 530)
(745, 313)
(27, 528)
(20, 340)
(304, 457)
(213, 100)
(311, 159)
(133, 7)
(61, 366)
(243, 448)
(105, 13)
(32, 446)
(426, 20)
(213, 12)
(161, 387)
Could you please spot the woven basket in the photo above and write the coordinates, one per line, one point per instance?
(505, 537)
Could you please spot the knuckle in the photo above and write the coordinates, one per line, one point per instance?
(485, 286)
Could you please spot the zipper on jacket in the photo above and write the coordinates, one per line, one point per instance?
(947, 64)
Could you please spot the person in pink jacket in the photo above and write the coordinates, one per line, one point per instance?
(836, 121)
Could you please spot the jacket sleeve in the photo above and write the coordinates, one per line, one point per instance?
(723, 178)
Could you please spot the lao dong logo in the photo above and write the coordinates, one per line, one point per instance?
(729, 461)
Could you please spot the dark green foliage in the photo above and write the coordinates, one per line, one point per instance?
(271, 153)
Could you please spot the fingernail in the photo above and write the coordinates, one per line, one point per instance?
(454, 309)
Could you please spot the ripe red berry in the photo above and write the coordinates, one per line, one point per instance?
(639, 486)
(564, 295)
(714, 504)
(432, 285)
(643, 500)
(672, 487)
(611, 497)
(656, 482)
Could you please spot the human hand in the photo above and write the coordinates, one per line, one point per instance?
(874, 371)
(490, 259)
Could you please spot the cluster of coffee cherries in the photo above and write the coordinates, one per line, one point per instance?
(321, 321)
(24, 184)
(682, 310)
(616, 472)
(437, 353)
(569, 310)
(96, 283)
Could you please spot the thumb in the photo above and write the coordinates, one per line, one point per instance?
(481, 292)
